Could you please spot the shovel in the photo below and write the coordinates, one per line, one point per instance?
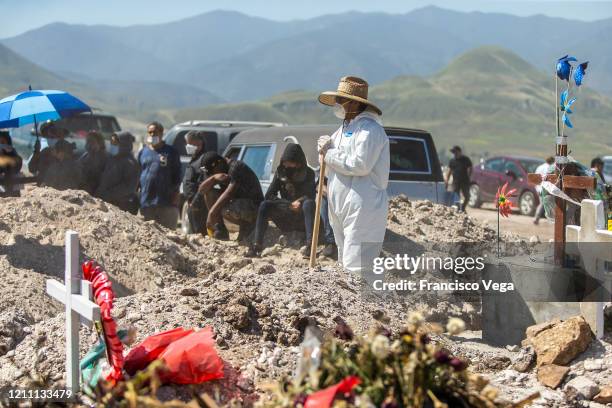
(317, 218)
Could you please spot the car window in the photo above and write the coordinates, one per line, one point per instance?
(409, 155)
(513, 167)
(607, 170)
(108, 125)
(258, 159)
(179, 142)
(496, 165)
(233, 153)
(530, 166)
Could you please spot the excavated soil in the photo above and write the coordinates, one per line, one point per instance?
(258, 308)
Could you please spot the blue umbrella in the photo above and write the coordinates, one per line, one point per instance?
(38, 105)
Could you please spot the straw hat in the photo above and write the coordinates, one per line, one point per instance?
(352, 88)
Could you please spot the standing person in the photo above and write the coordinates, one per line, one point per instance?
(358, 161)
(10, 166)
(160, 176)
(543, 169)
(294, 181)
(194, 176)
(232, 193)
(93, 161)
(601, 190)
(119, 180)
(63, 171)
(41, 160)
(461, 169)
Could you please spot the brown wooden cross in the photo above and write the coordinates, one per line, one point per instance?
(571, 185)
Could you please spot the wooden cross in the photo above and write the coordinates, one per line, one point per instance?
(76, 295)
(569, 184)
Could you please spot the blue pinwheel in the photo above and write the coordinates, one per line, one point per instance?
(565, 104)
(564, 67)
(580, 73)
(36, 106)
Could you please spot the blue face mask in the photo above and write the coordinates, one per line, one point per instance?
(113, 150)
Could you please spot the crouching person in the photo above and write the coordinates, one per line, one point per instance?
(232, 193)
(295, 209)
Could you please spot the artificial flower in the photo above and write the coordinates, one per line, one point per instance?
(580, 73)
(502, 200)
(564, 68)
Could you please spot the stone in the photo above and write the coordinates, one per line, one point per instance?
(189, 292)
(593, 365)
(237, 315)
(513, 348)
(552, 375)
(266, 269)
(134, 317)
(524, 359)
(562, 342)
(581, 388)
(605, 395)
(536, 329)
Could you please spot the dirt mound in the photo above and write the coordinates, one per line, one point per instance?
(139, 255)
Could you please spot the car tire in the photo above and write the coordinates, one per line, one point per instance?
(527, 203)
(475, 200)
(185, 224)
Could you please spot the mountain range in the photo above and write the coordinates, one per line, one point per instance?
(488, 100)
(238, 57)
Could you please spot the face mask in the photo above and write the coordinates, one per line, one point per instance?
(152, 140)
(113, 150)
(191, 149)
(339, 111)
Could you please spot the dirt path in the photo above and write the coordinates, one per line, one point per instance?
(517, 223)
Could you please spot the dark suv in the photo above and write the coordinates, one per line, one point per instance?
(494, 172)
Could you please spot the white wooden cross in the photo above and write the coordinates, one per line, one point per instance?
(76, 296)
(593, 243)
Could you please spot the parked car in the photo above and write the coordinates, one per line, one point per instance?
(218, 136)
(494, 172)
(415, 168)
(607, 170)
(78, 126)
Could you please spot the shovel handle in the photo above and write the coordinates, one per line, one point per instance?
(317, 217)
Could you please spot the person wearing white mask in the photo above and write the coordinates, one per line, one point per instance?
(357, 160)
(160, 177)
(195, 146)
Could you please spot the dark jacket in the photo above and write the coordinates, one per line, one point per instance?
(194, 175)
(92, 165)
(160, 176)
(293, 184)
(9, 170)
(63, 175)
(119, 181)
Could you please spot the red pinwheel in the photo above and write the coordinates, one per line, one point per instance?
(104, 296)
(502, 200)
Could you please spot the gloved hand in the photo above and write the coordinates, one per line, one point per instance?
(324, 144)
(37, 146)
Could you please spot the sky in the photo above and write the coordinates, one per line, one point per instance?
(18, 16)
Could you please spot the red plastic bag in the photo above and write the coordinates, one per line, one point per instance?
(150, 349)
(192, 359)
(325, 397)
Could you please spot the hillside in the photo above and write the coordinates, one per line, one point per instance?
(488, 100)
(246, 58)
(129, 98)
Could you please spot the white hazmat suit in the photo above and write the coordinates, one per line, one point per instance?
(358, 163)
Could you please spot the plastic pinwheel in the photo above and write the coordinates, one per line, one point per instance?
(565, 105)
(566, 71)
(502, 200)
(564, 68)
(580, 73)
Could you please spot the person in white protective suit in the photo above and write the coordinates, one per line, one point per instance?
(357, 161)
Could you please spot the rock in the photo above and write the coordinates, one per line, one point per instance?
(534, 239)
(552, 375)
(524, 359)
(536, 329)
(272, 251)
(581, 388)
(189, 292)
(593, 365)
(134, 317)
(605, 395)
(266, 269)
(562, 342)
(513, 348)
(237, 315)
